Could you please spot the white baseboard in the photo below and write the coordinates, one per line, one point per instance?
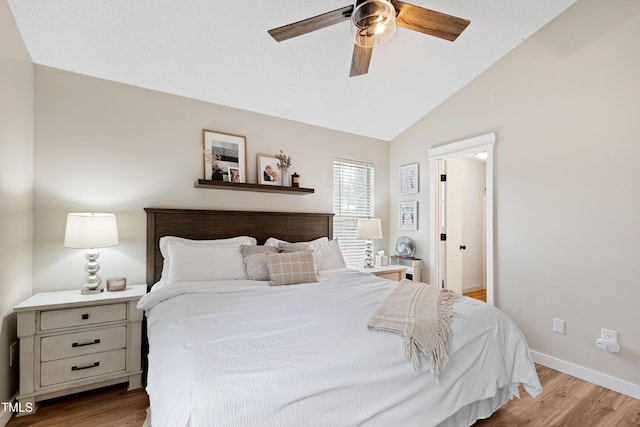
(472, 289)
(5, 416)
(595, 377)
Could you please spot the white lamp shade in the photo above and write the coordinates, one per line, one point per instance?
(369, 229)
(91, 230)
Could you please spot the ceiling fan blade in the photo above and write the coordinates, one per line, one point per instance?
(311, 24)
(361, 56)
(429, 21)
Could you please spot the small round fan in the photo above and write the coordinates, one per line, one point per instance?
(405, 247)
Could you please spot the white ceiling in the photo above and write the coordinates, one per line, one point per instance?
(220, 52)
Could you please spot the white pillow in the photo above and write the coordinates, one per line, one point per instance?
(329, 256)
(204, 262)
(240, 240)
(166, 240)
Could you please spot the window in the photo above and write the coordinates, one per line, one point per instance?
(352, 199)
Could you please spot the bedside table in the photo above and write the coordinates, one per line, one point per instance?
(71, 343)
(391, 272)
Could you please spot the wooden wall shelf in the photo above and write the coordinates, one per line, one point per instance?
(243, 186)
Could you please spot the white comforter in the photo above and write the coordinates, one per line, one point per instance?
(242, 353)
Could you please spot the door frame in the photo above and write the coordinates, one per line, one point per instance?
(458, 149)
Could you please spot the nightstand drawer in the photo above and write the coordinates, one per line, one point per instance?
(74, 368)
(70, 345)
(89, 315)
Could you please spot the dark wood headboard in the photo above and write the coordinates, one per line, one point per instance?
(213, 224)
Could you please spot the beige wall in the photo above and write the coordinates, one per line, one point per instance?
(104, 146)
(16, 188)
(564, 106)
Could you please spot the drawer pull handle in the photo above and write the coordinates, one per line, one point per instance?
(76, 344)
(79, 368)
(85, 316)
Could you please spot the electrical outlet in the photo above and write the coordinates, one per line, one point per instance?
(610, 346)
(13, 353)
(609, 335)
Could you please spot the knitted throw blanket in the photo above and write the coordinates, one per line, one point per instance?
(422, 314)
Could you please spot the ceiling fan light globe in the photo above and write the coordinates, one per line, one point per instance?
(373, 23)
(380, 29)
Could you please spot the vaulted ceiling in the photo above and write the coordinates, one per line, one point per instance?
(220, 52)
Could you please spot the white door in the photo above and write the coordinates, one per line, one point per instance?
(453, 225)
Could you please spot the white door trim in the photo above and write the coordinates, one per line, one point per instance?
(456, 149)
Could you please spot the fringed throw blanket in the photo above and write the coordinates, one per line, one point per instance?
(422, 314)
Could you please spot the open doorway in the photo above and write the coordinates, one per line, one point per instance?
(462, 224)
(462, 255)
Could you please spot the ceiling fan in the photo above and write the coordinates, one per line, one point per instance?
(373, 22)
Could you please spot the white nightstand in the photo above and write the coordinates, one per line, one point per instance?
(71, 343)
(391, 272)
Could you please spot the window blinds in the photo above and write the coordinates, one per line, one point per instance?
(352, 199)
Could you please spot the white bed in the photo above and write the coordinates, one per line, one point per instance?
(243, 353)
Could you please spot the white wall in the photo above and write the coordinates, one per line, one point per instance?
(16, 188)
(564, 106)
(104, 146)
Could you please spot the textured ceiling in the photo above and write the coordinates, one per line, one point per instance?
(220, 52)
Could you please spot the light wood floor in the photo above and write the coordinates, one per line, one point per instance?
(481, 295)
(565, 402)
(107, 407)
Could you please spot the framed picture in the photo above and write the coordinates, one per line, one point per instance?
(268, 172)
(235, 175)
(224, 152)
(408, 215)
(409, 179)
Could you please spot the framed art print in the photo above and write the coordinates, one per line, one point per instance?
(268, 172)
(225, 156)
(409, 179)
(408, 215)
(235, 175)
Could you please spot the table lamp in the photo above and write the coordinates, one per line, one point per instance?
(368, 230)
(91, 231)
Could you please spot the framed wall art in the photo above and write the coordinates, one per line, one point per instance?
(235, 175)
(268, 172)
(408, 215)
(409, 179)
(225, 156)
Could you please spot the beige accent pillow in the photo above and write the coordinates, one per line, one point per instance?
(255, 249)
(292, 268)
(272, 241)
(255, 260)
(296, 247)
(257, 268)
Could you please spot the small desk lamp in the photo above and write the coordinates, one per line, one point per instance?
(91, 231)
(369, 229)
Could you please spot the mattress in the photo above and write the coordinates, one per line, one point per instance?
(243, 353)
